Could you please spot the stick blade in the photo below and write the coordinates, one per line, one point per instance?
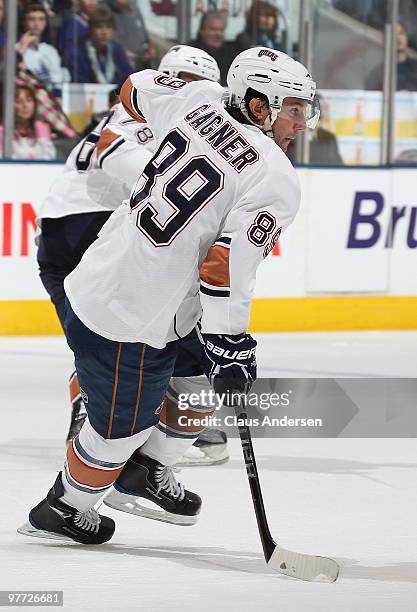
(303, 567)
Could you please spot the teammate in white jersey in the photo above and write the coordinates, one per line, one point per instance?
(206, 210)
(98, 175)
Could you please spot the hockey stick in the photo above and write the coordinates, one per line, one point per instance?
(297, 565)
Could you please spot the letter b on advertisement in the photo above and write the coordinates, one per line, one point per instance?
(360, 218)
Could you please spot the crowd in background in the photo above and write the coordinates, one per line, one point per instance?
(103, 41)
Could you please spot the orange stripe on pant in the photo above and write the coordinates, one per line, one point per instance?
(135, 416)
(170, 415)
(87, 475)
(116, 382)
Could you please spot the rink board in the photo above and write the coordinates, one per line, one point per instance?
(38, 317)
(346, 263)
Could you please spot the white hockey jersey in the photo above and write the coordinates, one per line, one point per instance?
(101, 170)
(206, 210)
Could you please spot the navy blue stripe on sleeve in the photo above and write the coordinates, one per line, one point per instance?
(214, 293)
(111, 150)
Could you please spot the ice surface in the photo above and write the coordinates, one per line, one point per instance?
(353, 500)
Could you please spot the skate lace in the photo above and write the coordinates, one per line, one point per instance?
(166, 480)
(89, 520)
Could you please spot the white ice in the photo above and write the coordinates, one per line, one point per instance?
(353, 500)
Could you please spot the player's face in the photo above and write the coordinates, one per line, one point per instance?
(1, 11)
(35, 23)
(24, 105)
(290, 122)
(188, 77)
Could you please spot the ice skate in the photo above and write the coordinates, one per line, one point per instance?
(210, 448)
(149, 489)
(53, 519)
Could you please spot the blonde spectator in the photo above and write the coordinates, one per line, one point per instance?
(32, 138)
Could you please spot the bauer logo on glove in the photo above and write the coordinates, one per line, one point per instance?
(230, 361)
(230, 354)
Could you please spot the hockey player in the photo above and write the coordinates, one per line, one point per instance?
(206, 210)
(98, 176)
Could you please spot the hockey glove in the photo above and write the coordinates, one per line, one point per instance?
(230, 361)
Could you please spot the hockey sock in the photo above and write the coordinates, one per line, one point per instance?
(93, 464)
(178, 427)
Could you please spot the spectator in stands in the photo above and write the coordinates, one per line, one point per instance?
(210, 38)
(75, 27)
(406, 67)
(39, 57)
(261, 27)
(55, 9)
(130, 31)
(32, 138)
(99, 59)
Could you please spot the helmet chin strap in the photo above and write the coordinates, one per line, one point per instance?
(266, 127)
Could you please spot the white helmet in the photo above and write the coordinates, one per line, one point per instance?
(182, 58)
(277, 76)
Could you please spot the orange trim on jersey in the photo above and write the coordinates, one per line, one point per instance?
(126, 99)
(116, 382)
(135, 416)
(74, 388)
(170, 414)
(106, 139)
(215, 267)
(86, 475)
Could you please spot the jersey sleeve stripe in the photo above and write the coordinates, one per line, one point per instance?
(112, 149)
(224, 241)
(107, 138)
(215, 268)
(214, 292)
(129, 99)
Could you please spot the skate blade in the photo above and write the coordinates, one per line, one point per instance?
(129, 504)
(212, 454)
(304, 567)
(29, 530)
